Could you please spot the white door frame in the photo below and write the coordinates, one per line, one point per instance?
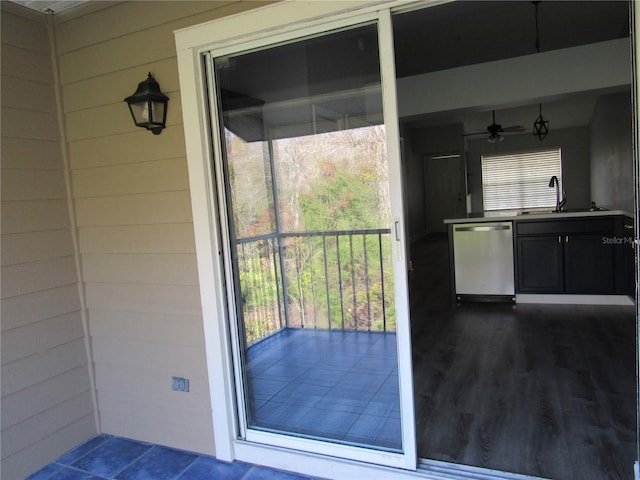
(273, 24)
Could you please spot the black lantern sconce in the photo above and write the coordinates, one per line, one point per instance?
(148, 106)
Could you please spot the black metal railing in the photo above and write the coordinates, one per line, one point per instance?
(323, 280)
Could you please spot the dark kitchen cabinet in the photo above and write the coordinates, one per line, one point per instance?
(588, 265)
(539, 264)
(625, 255)
(573, 256)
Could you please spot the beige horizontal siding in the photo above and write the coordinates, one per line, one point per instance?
(47, 404)
(176, 269)
(36, 246)
(174, 407)
(134, 146)
(30, 216)
(144, 209)
(183, 300)
(148, 177)
(163, 238)
(32, 277)
(90, 94)
(25, 30)
(29, 153)
(41, 336)
(21, 464)
(122, 19)
(140, 45)
(30, 184)
(27, 94)
(168, 402)
(121, 53)
(134, 353)
(19, 123)
(153, 327)
(34, 307)
(26, 64)
(46, 423)
(41, 366)
(39, 398)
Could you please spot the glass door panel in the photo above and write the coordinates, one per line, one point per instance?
(307, 178)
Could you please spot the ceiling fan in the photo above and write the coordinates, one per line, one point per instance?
(496, 130)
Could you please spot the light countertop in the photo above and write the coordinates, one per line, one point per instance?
(510, 215)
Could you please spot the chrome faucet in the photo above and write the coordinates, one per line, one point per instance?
(559, 204)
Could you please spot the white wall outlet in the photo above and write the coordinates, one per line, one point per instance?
(180, 384)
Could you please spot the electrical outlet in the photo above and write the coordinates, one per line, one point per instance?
(180, 384)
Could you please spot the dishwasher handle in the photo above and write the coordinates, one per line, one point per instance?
(483, 228)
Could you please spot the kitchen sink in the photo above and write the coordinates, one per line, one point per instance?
(566, 210)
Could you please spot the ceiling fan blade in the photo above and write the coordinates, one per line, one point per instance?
(514, 128)
(477, 133)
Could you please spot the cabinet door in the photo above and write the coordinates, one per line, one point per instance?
(539, 264)
(625, 256)
(589, 265)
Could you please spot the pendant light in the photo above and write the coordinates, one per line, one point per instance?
(541, 125)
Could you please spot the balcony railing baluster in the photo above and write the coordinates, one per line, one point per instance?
(366, 276)
(384, 306)
(280, 279)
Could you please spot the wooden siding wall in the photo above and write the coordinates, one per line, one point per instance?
(131, 194)
(47, 405)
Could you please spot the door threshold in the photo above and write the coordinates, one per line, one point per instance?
(460, 472)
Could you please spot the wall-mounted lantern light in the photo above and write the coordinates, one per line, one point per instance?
(148, 106)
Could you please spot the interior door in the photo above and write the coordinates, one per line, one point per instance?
(315, 251)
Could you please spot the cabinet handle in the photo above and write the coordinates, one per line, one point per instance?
(566, 239)
(628, 227)
(559, 239)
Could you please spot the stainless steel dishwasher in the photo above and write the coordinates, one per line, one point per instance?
(483, 261)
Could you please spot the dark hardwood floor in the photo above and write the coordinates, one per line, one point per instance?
(542, 390)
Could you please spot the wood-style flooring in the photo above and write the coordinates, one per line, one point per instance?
(542, 390)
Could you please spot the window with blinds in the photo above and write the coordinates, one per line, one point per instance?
(520, 180)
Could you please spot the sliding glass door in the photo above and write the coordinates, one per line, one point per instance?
(314, 254)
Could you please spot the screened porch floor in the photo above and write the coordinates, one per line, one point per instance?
(336, 385)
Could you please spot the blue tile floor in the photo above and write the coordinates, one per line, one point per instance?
(107, 457)
(328, 384)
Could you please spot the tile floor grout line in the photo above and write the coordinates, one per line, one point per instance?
(107, 437)
(197, 457)
(82, 470)
(139, 457)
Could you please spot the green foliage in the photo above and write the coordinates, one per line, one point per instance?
(333, 185)
(345, 198)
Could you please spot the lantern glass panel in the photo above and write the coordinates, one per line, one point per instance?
(157, 111)
(140, 112)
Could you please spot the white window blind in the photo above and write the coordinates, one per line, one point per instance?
(520, 180)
